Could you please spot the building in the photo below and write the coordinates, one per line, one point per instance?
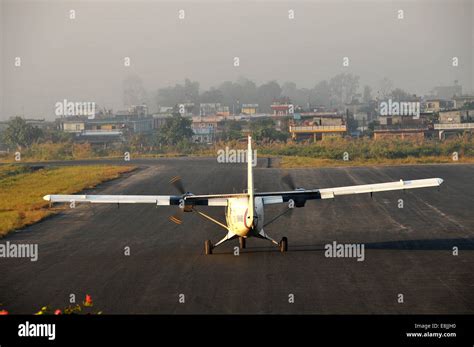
(402, 127)
(282, 107)
(138, 110)
(81, 125)
(355, 107)
(207, 109)
(187, 109)
(461, 101)
(159, 120)
(73, 124)
(206, 128)
(165, 109)
(447, 92)
(450, 117)
(400, 131)
(223, 111)
(249, 109)
(362, 119)
(316, 125)
(432, 105)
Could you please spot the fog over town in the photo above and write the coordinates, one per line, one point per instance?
(160, 53)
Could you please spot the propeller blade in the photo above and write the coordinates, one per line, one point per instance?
(288, 181)
(177, 218)
(178, 184)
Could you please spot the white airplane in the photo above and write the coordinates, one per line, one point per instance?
(245, 211)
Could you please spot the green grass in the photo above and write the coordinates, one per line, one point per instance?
(22, 190)
(303, 162)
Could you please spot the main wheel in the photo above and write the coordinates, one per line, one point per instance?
(208, 247)
(242, 242)
(283, 245)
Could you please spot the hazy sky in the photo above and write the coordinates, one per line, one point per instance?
(83, 59)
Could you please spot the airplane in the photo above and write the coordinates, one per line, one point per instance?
(244, 211)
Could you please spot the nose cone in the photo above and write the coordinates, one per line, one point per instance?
(440, 180)
(47, 197)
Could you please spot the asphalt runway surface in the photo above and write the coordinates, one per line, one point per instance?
(408, 250)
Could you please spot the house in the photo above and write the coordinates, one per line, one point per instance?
(355, 107)
(249, 109)
(81, 125)
(450, 117)
(282, 107)
(159, 119)
(362, 119)
(223, 111)
(207, 109)
(432, 105)
(74, 124)
(400, 131)
(316, 125)
(205, 128)
(402, 127)
(138, 110)
(464, 100)
(447, 92)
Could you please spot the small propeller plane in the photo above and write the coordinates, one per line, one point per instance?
(244, 211)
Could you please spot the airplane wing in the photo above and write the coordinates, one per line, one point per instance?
(159, 200)
(299, 196)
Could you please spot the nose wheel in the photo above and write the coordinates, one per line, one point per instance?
(283, 244)
(208, 247)
(242, 242)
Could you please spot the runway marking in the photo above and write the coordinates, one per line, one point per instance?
(442, 214)
(380, 206)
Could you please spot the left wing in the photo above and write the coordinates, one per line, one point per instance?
(159, 200)
(299, 196)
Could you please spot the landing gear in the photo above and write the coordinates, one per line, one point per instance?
(283, 244)
(208, 247)
(242, 242)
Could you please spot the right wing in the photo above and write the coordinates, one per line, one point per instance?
(301, 195)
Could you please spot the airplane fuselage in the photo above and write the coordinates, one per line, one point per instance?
(240, 220)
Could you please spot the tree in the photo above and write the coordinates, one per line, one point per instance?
(263, 129)
(171, 96)
(133, 91)
(248, 91)
(400, 95)
(367, 95)
(266, 94)
(385, 88)
(344, 87)
(212, 95)
(20, 134)
(322, 93)
(176, 130)
(232, 130)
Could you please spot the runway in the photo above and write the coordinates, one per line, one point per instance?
(408, 250)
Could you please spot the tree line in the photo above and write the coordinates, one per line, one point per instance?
(332, 93)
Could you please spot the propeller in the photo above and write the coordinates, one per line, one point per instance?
(177, 218)
(177, 182)
(287, 179)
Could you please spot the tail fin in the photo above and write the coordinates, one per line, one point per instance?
(250, 190)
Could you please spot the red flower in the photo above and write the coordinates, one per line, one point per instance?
(57, 312)
(88, 301)
(3, 312)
